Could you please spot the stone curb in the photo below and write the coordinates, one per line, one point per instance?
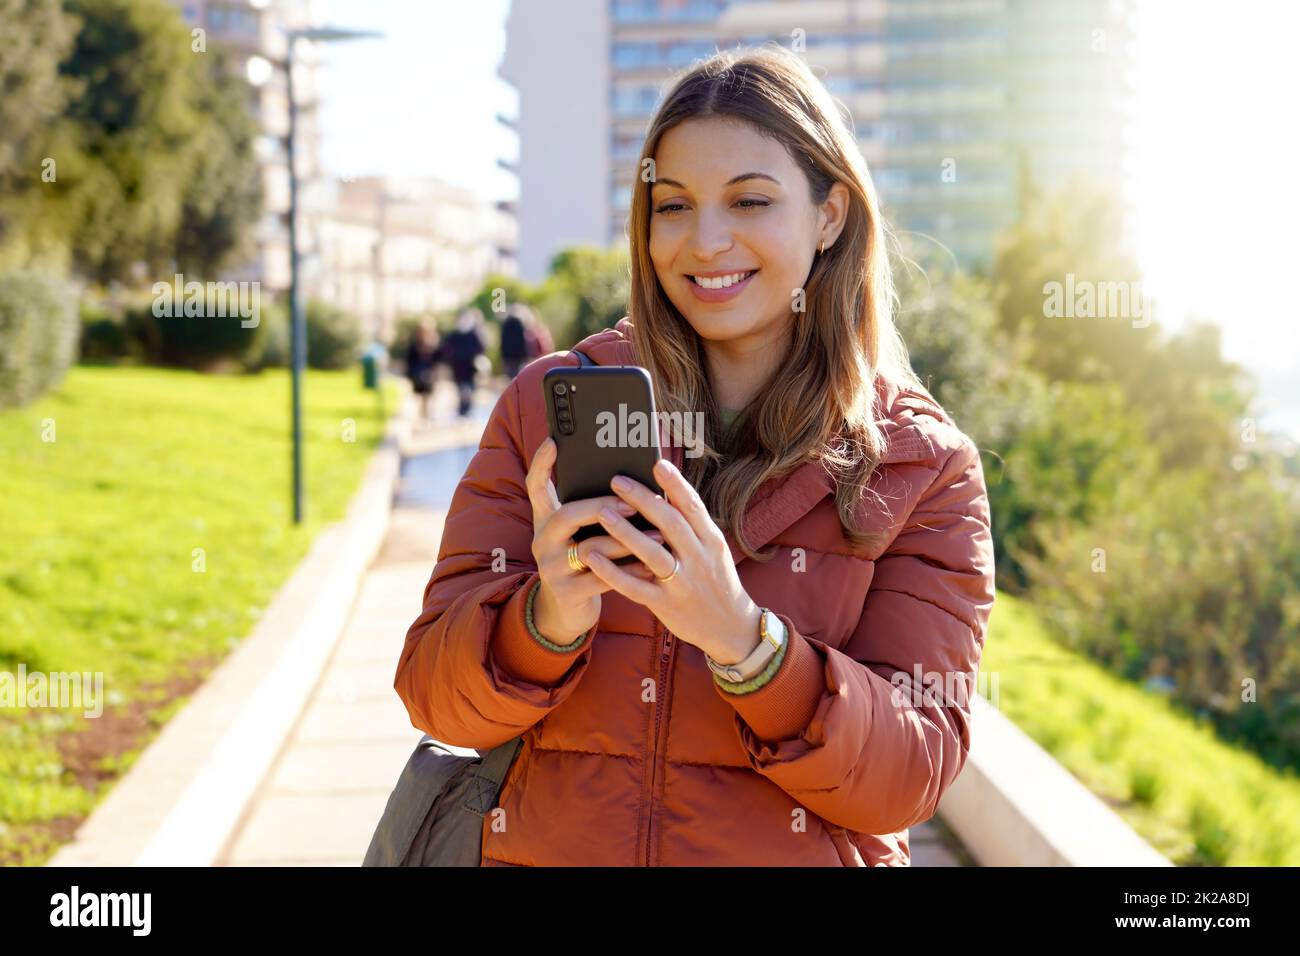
(1014, 805)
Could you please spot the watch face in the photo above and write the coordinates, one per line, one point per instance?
(775, 629)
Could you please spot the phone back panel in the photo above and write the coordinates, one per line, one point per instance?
(614, 431)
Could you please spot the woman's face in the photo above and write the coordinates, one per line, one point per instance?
(703, 222)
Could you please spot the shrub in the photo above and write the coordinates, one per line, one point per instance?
(333, 336)
(38, 335)
(1194, 585)
(962, 358)
(270, 347)
(1083, 452)
(105, 336)
(192, 332)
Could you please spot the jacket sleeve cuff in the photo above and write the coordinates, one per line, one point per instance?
(518, 653)
(784, 707)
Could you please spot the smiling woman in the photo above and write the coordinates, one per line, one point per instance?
(775, 270)
(705, 703)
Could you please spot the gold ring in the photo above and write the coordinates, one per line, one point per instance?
(575, 562)
(676, 564)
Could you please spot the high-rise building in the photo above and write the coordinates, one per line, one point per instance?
(956, 104)
(557, 59)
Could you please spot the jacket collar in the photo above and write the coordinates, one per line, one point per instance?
(782, 501)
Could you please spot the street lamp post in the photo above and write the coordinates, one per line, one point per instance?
(297, 322)
(297, 330)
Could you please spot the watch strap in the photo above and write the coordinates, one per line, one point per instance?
(754, 683)
(771, 641)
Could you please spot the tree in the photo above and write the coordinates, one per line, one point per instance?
(223, 196)
(957, 348)
(1072, 240)
(500, 290)
(33, 95)
(136, 120)
(586, 291)
(1074, 237)
(123, 144)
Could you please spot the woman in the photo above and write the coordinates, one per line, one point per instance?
(865, 533)
(421, 357)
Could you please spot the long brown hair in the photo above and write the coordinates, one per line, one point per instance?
(820, 402)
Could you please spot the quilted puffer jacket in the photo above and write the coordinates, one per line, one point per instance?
(826, 765)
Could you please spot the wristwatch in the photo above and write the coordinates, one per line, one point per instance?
(771, 639)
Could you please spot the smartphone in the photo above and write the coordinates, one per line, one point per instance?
(602, 418)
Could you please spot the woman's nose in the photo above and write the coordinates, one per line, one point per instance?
(712, 235)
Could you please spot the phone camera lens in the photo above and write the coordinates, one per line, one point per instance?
(560, 388)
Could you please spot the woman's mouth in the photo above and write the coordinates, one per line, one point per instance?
(720, 288)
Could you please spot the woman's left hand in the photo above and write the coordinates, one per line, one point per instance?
(704, 603)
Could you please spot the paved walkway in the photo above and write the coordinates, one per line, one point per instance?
(327, 789)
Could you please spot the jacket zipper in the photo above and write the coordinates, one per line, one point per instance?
(666, 650)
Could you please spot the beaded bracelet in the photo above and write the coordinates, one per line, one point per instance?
(532, 628)
(759, 679)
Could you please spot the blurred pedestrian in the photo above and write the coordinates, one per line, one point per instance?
(523, 338)
(462, 348)
(538, 336)
(421, 358)
(514, 345)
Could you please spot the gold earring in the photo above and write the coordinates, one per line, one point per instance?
(822, 247)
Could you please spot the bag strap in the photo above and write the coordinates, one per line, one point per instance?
(496, 762)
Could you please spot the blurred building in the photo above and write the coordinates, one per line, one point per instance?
(388, 247)
(378, 247)
(255, 31)
(957, 104)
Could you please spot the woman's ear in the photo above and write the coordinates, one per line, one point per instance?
(834, 214)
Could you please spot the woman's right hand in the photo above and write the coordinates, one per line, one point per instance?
(568, 602)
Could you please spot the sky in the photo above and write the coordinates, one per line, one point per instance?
(1216, 196)
(1216, 203)
(423, 100)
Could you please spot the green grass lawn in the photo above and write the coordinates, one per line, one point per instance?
(100, 567)
(1196, 799)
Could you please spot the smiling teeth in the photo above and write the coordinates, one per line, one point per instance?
(722, 282)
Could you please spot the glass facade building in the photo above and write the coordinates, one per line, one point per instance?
(957, 104)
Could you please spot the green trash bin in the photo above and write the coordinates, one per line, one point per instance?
(371, 361)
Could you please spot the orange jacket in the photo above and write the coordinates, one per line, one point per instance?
(826, 765)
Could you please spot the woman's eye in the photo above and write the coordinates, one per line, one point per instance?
(745, 203)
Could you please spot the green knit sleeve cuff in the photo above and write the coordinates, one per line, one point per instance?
(532, 628)
(759, 679)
